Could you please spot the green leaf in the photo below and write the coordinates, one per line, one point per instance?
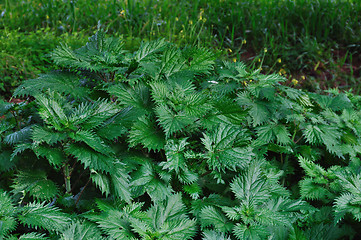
(42, 134)
(81, 230)
(147, 50)
(36, 184)
(169, 220)
(200, 60)
(33, 236)
(251, 188)
(145, 132)
(175, 155)
(172, 62)
(101, 181)
(172, 122)
(120, 181)
(137, 97)
(60, 81)
(39, 215)
(7, 214)
(19, 136)
(213, 235)
(92, 140)
(91, 158)
(55, 156)
(254, 232)
(225, 150)
(210, 216)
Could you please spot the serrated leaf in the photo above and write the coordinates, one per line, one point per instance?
(101, 181)
(60, 81)
(92, 140)
(224, 151)
(36, 184)
(42, 134)
(210, 216)
(55, 156)
(149, 49)
(121, 184)
(145, 132)
(39, 215)
(91, 158)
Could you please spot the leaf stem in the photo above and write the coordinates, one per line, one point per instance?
(81, 192)
(67, 178)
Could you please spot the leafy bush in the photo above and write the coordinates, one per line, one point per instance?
(168, 143)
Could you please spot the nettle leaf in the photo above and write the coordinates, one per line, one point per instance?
(271, 132)
(7, 214)
(213, 235)
(52, 111)
(81, 230)
(19, 136)
(145, 132)
(211, 216)
(117, 223)
(168, 220)
(324, 134)
(147, 50)
(254, 232)
(172, 62)
(92, 140)
(36, 184)
(137, 97)
(225, 150)
(101, 181)
(55, 156)
(350, 199)
(148, 178)
(200, 60)
(33, 236)
(252, 187)
(120, 181)
(39, 215)
(62, 82)
(171, 121)
(311, 189)
(41, 134)
(99, 53)
(91, 158)
(175, 155)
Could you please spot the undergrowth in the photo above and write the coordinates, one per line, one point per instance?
(170, 143)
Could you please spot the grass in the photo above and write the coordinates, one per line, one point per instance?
(320, 39)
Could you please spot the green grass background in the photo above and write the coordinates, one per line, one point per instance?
(316, 42)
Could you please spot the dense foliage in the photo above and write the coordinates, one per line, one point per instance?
(168, 143)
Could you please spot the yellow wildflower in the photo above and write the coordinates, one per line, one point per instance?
(234, 59)
(244, 41)
(303, 77)
(176, 19)
(279, 60)
(230, 50)
(294, 81)
(265, 50)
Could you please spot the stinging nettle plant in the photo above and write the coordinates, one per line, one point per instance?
(169, 143)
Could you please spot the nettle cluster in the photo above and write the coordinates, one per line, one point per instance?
(168, 143)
